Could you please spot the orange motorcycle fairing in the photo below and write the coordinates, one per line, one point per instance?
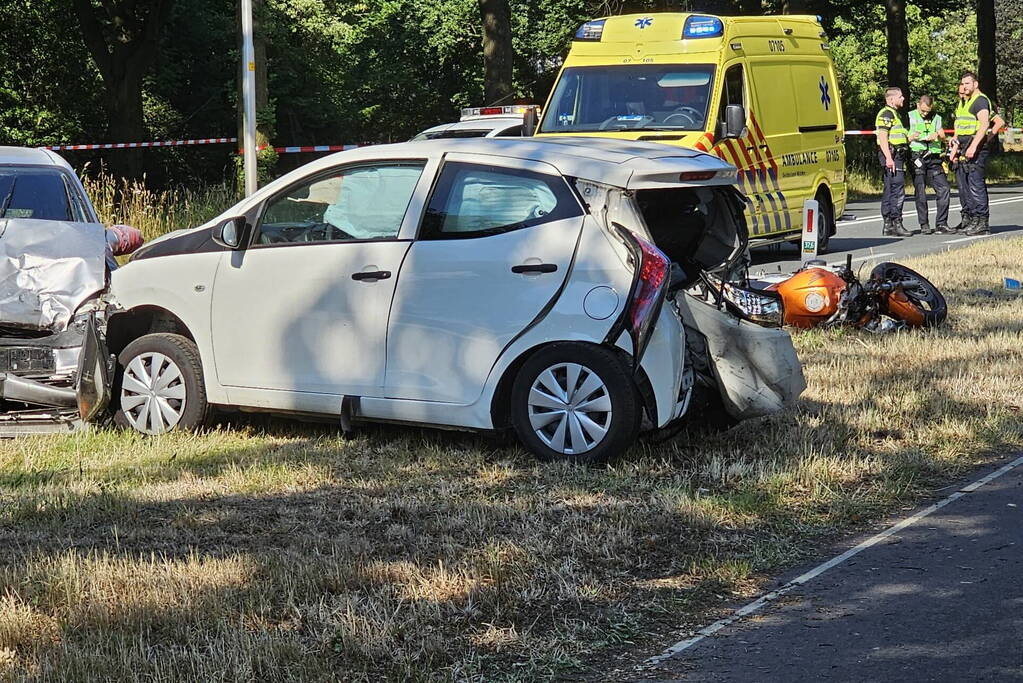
(901, 307)
(810, 296)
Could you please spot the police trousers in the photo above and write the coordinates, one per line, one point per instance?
(929, 172)
(972, 179)
(894, 195)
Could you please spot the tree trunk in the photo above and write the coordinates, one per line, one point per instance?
(793, 7)
(123, 42)
(986, 47)
(497, 51)
(898, 45)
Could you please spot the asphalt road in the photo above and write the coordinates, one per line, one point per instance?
(859, 233)
(941, 599)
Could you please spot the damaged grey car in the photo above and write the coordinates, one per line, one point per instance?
(55, 261)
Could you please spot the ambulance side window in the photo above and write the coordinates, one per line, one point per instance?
(733, 91)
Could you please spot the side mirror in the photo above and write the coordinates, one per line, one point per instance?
(735, 121)
(529, 121)
(231, 233)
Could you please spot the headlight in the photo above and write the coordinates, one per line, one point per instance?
(757, 306)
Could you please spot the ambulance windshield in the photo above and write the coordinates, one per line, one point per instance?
(630, 97)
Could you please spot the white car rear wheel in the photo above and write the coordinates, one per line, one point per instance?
(575, 402)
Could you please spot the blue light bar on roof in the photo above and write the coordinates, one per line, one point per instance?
(591, 30)
(699, 26)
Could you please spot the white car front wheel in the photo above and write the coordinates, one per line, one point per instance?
(159, 385)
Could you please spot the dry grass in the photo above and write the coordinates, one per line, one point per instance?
(269, 551)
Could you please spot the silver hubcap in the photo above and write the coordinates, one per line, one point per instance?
(152, 393)
(570, 408)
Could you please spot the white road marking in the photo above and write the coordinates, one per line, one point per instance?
(912, 212)
(830, 564)
(967, 239)
(864, 258)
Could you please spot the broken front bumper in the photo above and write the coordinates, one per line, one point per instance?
(68, 375)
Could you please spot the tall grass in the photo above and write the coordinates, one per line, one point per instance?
(864, 178)
(130, 202)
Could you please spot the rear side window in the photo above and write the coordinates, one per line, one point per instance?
(473, 200)
(36, 193)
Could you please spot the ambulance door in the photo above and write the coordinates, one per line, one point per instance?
(775, 131)
(820, 124)
(744, 152)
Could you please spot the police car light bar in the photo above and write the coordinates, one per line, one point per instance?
(511, 110)
(591, 30)
(699, 26)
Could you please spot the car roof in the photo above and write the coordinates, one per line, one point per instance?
(32, 156)
(605, 160)
(480, 123)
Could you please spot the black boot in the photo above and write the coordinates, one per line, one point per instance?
(900, 229)
(944, 230)
(964, 223)
(925, 229)
(889, 227)
(979, 226)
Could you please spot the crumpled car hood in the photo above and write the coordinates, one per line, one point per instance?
(48, 269)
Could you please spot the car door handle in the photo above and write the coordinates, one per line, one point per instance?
(371, 275)
(535, 268)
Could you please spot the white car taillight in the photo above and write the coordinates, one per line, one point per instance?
(648, 290)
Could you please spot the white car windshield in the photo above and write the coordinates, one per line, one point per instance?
(37, 193)
(630, 97)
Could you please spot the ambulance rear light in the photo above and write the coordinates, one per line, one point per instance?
(591, 30)
(510, 110)
(700, 26)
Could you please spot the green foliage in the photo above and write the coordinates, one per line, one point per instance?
(941, 47)
(382, 70)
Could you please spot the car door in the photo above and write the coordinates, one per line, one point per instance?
(304, 308)
(494, 249)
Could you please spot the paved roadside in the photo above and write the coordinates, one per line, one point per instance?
(939, 600)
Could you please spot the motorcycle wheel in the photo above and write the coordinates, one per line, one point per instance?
(918, 303)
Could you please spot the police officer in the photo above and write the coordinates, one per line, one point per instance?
(925, 147)
(892, 139)
(970, 151)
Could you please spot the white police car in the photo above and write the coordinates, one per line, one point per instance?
(481, 122)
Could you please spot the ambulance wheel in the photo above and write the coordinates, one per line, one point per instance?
(825, 220)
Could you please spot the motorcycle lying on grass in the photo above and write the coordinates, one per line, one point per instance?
(893, 297)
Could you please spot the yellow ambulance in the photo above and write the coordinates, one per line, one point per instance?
(671, 78)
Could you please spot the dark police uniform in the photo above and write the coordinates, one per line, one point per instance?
(894, 195)
(970, 174)
(927, 170)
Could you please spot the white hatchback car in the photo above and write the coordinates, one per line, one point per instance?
(476, 284)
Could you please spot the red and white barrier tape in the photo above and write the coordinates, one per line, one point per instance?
(133, 145)
(203, 141)
(870, 132)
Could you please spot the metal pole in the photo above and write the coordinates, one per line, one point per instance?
(249, 97)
